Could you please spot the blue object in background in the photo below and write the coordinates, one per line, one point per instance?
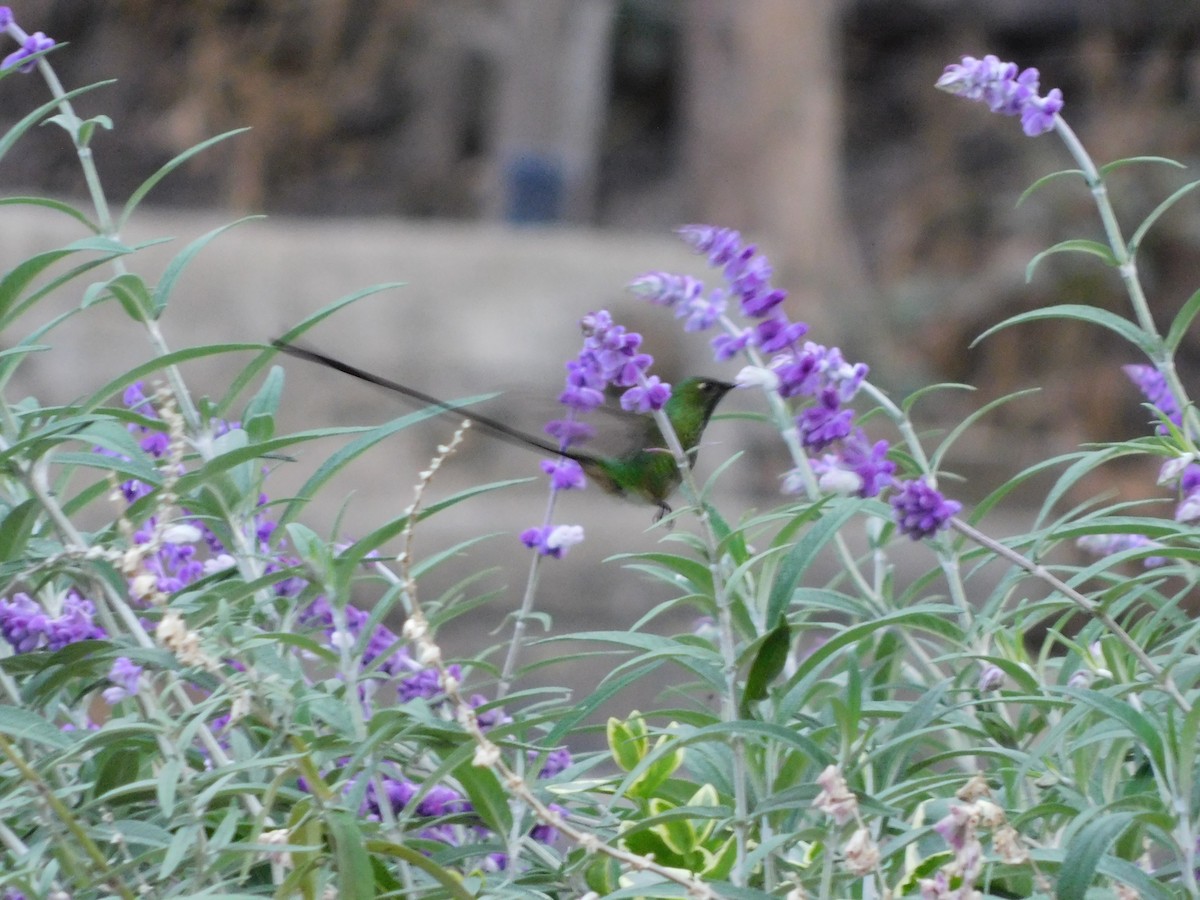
(534, 190)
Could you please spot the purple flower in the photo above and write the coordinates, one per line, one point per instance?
(701, 313)
(1101, 545)
(552, 540)
(34, 43)
(817, 367)
(6, 16)
(441, 801)
(125, 676)
(777, 333)
(74, 625)
(26, 626)
(319, 614)
(1153, 385)
(666, 289)
(727, 346)
(953, 827)
(720, 245)
(990, 678)
(426, 683)
(1039, 113)
(859, 467)
(1004, 90)
(920, 510)
(544, 833)
(489, 718)
(570, 431)
(565, 474)
(556, 761)
(825, 422)
(23, 622)
(652, 394)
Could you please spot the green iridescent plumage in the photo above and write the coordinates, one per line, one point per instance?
(645, 471)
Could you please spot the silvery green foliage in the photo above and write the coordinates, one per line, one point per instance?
(192, 705)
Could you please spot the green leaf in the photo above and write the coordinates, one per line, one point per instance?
(133, 295)
(769, 661)
(1136, 241)
(25, 725)
(14, 133)
(1075, 245)
(1084, 851)
(800, 557)
(16, 527)
(487, 796)
(168, 780)
(1181, 323)
(1142, 729)
(1130, 160)
(663, 760)
(448, 879)
(258, 419)
(146, 186)
(166, 284)
(354, 878)
(57, 205)
(1102, 317)
(1045, 179)
(627, 740)
(18, 278)
(935, 461)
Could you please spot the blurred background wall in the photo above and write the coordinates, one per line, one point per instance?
(887, 207)
(518, 161)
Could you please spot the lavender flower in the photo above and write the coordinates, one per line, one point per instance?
(920, 509)
(320, 614)
(426, 683)
(991, 677)
(6, 16)
(34, 43)
(552, 540)
(610, 357)
(826, 422)
(815, 371)
(1004, 90)
(124, 676)
(564, 473)
(556, 761)
(1101, 545)
(23, 622)
(1153, 385)
(26, 626)
(859, 468)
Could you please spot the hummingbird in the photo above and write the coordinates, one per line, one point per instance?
(645, 471)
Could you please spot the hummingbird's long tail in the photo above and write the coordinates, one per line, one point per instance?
(496, 427)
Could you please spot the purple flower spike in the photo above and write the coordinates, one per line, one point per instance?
(1006, 92)
(1153, 385)
(720, 245)
(920, 510)
(665, 289)
(6, 16)
(34, 43)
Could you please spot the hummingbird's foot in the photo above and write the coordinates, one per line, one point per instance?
(663, 509)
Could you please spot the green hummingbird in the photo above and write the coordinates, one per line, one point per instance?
(645, 470)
